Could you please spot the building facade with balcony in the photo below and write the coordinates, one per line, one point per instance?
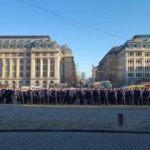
(30, 61)
(134, 60)
(127, 64)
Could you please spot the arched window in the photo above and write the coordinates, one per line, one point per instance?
(13, 84)
(52, 82)
(44, 84)
(37, 83)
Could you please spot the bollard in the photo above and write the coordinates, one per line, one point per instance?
(120, 119)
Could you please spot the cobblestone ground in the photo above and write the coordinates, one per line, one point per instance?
(74, 117)
(73, 141)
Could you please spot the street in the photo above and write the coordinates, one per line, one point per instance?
(73, 141)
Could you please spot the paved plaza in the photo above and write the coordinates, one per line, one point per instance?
(136, 118)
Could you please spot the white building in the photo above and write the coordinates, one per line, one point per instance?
(128, 63)
(30, 61)
(134, 60)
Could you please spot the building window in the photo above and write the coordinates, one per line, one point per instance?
(37, 83)
(28, 75)
(44, 54)
(138, 67)
(138, 61)
(28, 61)
(37, 74)
(130, 75)
(135, 46)
(130, 54)
(51, 54)
(37, 68)
(20, 54)
(130, 61)
(44, 74)
(130, 68)
(21, 67)
(37, 61)
(44, 62)
(147, 61)
(147, 75)
(52, 82)
(37, 54)
(147, 54)
(21, 74)
(28, 54)
(28, 68)
(147, 67)
(138, 54)
(21, 61)
(7, 54)
(49, 46)
(45, 68)
(138, 75)
(144, 46)
(28, 83)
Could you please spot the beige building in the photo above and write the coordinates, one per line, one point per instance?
(30, 61)
(134, 60)
(128, 63)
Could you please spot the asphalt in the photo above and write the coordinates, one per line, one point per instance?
(73, 141)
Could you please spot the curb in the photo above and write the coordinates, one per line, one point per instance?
(76, 131)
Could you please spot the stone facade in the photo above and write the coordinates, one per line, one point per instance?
(134, 60)
(128, 63)
(108, 67)
(30, 61)
(68, 70)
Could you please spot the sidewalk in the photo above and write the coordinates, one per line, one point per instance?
(35, 117)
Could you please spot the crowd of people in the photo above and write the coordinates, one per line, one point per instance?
(82, 96)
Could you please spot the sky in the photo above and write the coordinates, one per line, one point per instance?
(97, 26)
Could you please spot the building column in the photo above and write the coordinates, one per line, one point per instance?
(143, 67)
(17, 68)
(48, 71)
(24, 71)
(41, 68)
(57, 66)
(48, 68)
(10, 68)
(3, 67)
(134, 67)
(32, 68)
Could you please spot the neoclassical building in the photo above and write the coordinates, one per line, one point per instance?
(127, 64)
(34, 61)
(134, 60)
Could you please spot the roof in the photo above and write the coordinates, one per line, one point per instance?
(27, 41)
(113, 52)
(141, 36)
(22, 36)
